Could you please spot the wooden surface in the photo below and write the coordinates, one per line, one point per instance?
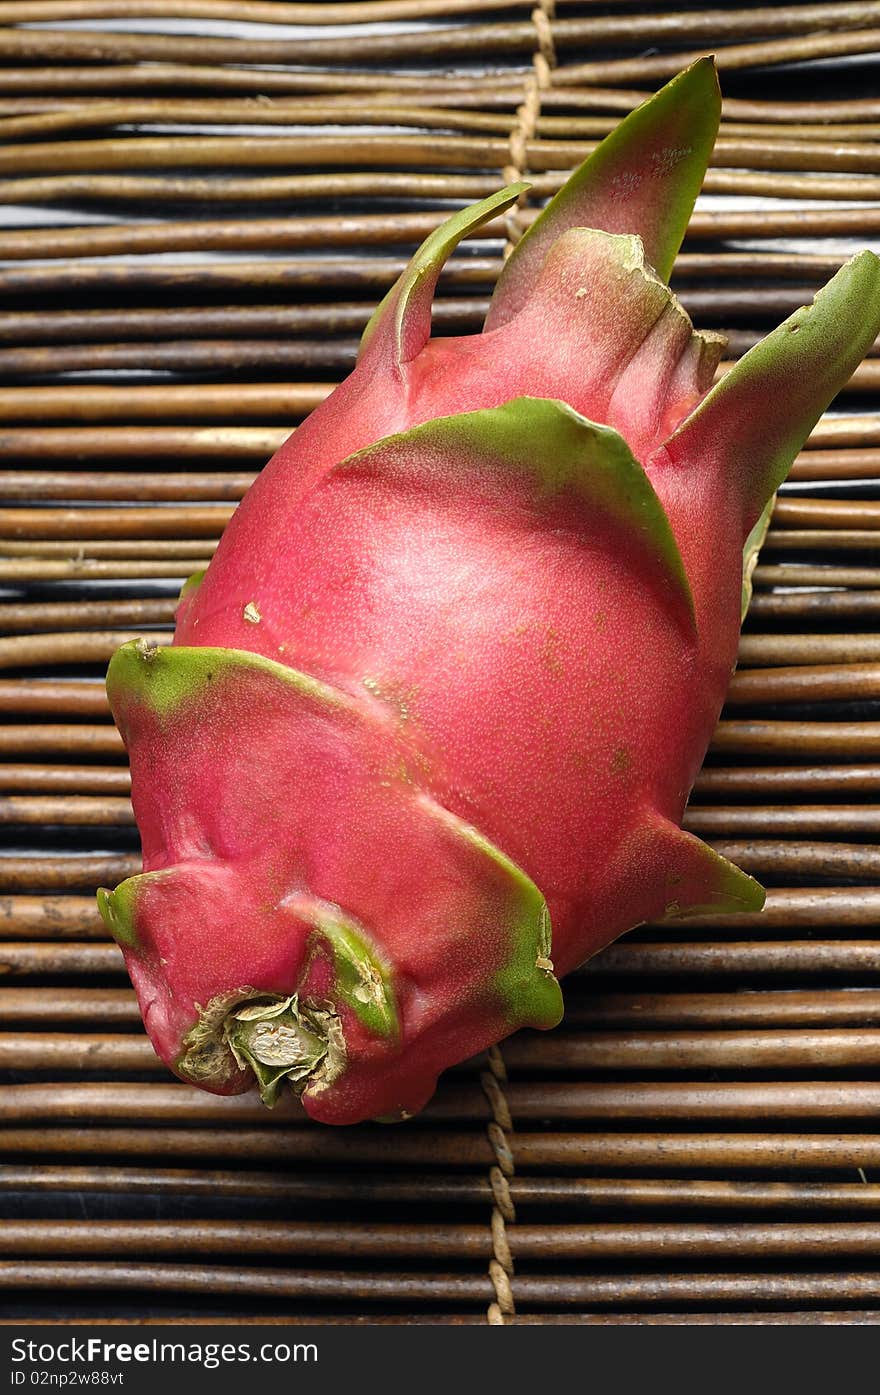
(190, 244)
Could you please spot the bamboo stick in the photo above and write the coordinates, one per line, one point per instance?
(803, 574)
(63, 779)
(820, 739)
(199, 520)
(29, 651)
(266, 11)
(222, 401)
(443, 44)
(400, 150)
(671, 1050)
(196, 322)
(266, 188)
(733, 821)
(764, 857)
(23, 960)
(155, 189)
(729, 57)
(89, 549)
(207, 356)
(769, 781)
(168, 401)
(131, 443)
(773, 650)
(80, 568)
(824, 606)
(695, 1151)
(85, 699)
(371, 1146)
(50, 918)
(27, 485)
(787, 958)
(802, 907)
(206, 1239)
(825, 1007)
(575, 1192)
(48, 738)
(381, 229)
(819, 683)
(361, 273)
(792, 1008)
(82, 1276)
(836, 464)
(81, 810)
(74, 872)
(63, 615)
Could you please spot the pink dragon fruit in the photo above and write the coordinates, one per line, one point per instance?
(425, 735)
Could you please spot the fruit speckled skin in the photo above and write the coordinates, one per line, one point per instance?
(427, 729)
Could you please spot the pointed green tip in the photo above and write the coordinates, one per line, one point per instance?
(117, 909)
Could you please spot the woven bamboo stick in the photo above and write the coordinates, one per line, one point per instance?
(123, 486)
(50, 917)
(440, 43)
(279, 1283)
(427, 152)
(222, 401)
(266, 188)
(793, 1008)
(89, 549)
(763, 857)
(207, 356)
(381, 229)
(606, 1051)
(81, 810)
(821, 683)
(187, 521)
(22, 960)
(186, 323)
(63, 779)
(787, 958)
(115, 1006)
(62, 615)
(70, 873)
(86, 699)
(201, 1239)
(621, 1290)
(49, 738)
(844, 1152)
(730, 58)
(29, 651)
(170, 401)
(772, 650)
(802, 907)
(85, 569)
(856, 739)
(185, 278)
(724, 821)
(824, 606)
(139, 443)
(371, 1146)
(576, 1192)
(826, 1007)
(122, 188)
(267, 11)
(836, 464)
(772, 781)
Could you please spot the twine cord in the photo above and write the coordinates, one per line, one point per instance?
(493, 1081)
(528, 113)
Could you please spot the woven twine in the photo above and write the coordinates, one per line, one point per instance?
(527, 114)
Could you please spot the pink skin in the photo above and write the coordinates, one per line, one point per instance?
(426, 622)
(526, 633)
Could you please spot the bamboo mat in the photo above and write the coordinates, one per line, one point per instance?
(201, 203)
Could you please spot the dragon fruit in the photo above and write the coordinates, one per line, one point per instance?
(426, 731)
